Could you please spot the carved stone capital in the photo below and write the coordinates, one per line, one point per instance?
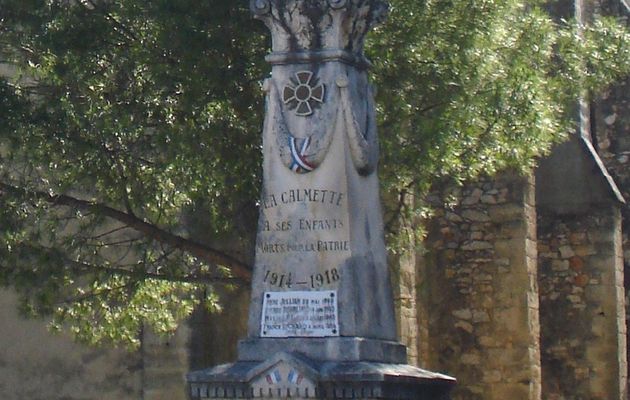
(305, 31)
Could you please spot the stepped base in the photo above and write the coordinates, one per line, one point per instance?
(293, 375)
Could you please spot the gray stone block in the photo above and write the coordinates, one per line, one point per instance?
(334, 349)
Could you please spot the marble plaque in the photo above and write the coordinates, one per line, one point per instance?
(300, 314)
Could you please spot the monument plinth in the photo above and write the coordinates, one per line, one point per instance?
(321, 321)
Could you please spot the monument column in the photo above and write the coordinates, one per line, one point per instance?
(321, 320)
(320, 230)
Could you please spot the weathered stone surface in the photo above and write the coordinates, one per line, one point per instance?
(611, 113)
(320, 225)
(292, 375)
(463, 314)
(580, 307)
(165, 360)
(475, 215)
(476, 245)
(322, 308)
(483, 298)
(37, 365)
(337, 348)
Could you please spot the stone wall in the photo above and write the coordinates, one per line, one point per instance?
(612, 133)
(611, 126)
(36, 365)
(581, 303)
(481, 279)
(214, 336)
(404, 283)
(165, 362)
(207, 339)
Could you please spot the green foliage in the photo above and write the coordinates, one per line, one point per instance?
(474, 87)
(130, 136)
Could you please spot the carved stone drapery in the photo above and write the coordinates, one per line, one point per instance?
(318, 49)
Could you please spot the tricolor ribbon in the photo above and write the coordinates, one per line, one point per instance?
(274, 377)
(295, 377)
(300, 164)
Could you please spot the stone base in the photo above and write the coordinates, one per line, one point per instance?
(330, 348)
(293, 375)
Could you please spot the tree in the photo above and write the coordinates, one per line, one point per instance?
(130, 146)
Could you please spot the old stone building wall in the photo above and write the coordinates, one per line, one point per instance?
(610, 113)
(482, 291)
(581, 283)
(403, 266)
(522, 284)
(165, 362)
(583, 336)
(36, 365)
(611, 126)
(612, 135)
(214, 336)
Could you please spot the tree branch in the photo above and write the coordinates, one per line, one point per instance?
(199, 279)
(401, 205)
(93, 293)
(118, 26)
(203, 252)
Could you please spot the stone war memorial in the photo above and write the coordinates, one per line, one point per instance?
(321, 320)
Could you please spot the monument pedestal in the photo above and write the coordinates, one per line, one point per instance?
(345, 368)
(294, 375)
(321, 319)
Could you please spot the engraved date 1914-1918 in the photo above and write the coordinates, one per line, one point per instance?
(286, 280)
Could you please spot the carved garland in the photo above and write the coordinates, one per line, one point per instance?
(305, 155)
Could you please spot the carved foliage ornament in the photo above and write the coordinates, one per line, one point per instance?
(328, 28)
(261, 7)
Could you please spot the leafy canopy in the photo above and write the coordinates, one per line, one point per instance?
(130, 136)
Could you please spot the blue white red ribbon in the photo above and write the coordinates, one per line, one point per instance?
(274, 377)
(295, 377)
(300, 163)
